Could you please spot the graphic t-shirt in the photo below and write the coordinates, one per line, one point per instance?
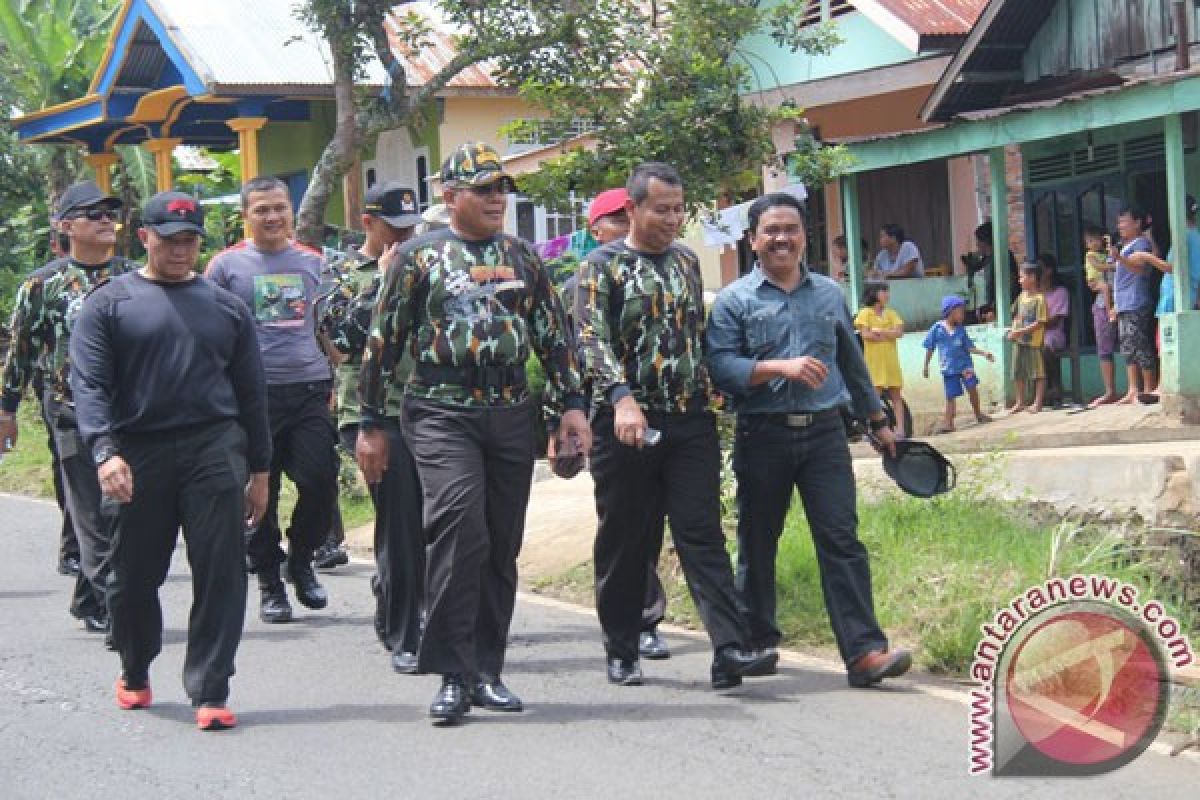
(279, 289)
(1030, 308)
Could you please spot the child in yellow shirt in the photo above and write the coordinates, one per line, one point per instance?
(880, 327)
(1027, 335)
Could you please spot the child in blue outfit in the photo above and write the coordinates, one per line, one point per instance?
(954, 348)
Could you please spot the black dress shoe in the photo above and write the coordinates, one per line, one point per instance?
(95, 623)
(624, 673)
(724, 680)
(652, 646)
(273, 605)
(452, 700)
(493, 695)
(403, 662)
(768, 667)
(737, 662)
(68, 565)
(330, 556)
(309, 591)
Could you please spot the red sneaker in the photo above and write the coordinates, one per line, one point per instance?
(214, 718)
(130, 699)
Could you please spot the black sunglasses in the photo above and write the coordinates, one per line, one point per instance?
(499, 187)
(96, 214)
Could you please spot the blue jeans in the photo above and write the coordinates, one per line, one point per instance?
(770, 459)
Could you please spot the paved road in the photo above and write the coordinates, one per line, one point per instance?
(323, 716)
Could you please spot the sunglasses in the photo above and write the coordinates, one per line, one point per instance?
(96, 214)
(499, 187)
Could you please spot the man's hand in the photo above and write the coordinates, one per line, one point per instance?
(116, 479)
(8, 432)
(371, 453)
(629, 423)
(256, 498)
(574, 423)
(884, 440)
(389, 257)
(805, 369)
(1013, 335)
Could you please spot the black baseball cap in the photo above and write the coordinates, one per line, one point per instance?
(84, 194)
(394, 204)
(168, 213)
(919, 469)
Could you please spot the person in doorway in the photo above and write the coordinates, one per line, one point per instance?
(1027, 334)
(898, 257)
(1055, 341)
(1134, 300)
(171, 403)
(881, 328)
(954, 347)
(44, 314)
(278, 279)
(984, 262)
(781, 344)
(640, 311)
(470, 304)
(389, 218)
(1097, 271)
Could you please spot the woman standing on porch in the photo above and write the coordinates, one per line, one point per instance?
(898, 257)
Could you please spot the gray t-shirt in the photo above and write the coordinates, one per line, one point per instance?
(279, 289)
(907, 252)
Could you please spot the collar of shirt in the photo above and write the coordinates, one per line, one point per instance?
(759, 276)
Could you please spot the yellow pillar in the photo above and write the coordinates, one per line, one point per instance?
(102, 164)
(247, 129)
(163, 169)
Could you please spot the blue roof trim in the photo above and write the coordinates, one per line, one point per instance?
(140, 11)
(52, 123)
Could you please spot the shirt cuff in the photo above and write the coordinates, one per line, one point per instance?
(618, 393)
(102, 442)
(369, 420)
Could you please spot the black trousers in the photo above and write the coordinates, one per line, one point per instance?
(68, 545)
(771, 460)
(633, 487)
(304, 448)
(399, 582)
(654, 606)
(194, 479)
(92, 518)
(476, 467)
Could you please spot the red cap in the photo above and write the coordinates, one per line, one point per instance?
(607, 202)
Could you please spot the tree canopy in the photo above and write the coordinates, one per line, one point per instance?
(681, 98)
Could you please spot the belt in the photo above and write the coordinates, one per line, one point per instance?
(801, 419)
(484, 378)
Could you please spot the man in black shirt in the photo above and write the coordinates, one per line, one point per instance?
(171, 401)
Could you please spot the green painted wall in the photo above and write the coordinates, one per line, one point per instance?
(864, 46)
(285, 148)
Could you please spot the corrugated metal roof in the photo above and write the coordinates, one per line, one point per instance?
(259, 43)
(936, 17)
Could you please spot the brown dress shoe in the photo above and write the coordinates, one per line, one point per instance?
(876, 665)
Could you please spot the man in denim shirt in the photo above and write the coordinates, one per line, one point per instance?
(780, 344)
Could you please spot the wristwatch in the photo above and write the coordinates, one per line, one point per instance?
(103, 453)
(878, 424)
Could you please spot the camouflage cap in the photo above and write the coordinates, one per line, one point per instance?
(475, 164)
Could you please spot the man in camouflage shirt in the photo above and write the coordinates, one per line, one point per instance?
(640, 312)
(389, 217)
(45, 309)
(470, 304)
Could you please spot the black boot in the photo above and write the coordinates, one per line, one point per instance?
(274, 606)
(309, 591)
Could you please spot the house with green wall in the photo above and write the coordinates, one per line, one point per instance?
(1080, 108)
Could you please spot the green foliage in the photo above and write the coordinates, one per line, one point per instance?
(51, 47)
(680, 100)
